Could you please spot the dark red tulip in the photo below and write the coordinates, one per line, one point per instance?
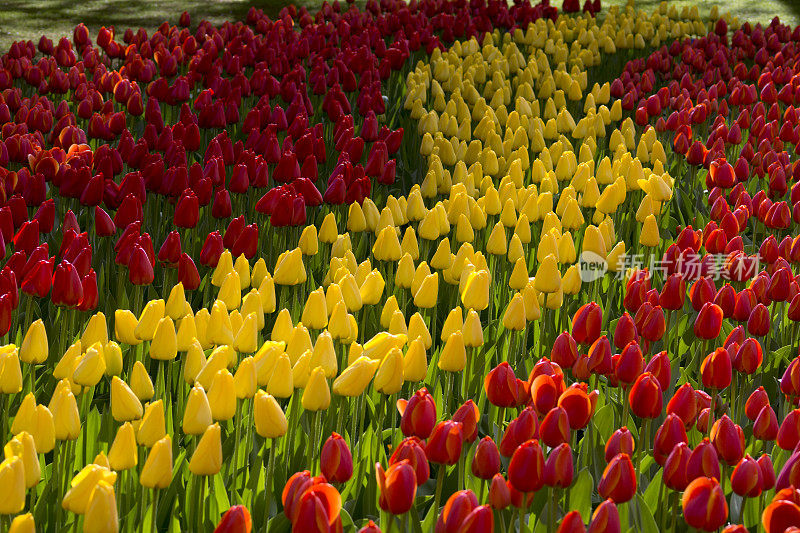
(469, 416)
(140, 270)
(67, 286)
(565, 350)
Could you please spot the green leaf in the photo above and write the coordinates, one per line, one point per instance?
(648, 523)
(580, 496)
(652, 492)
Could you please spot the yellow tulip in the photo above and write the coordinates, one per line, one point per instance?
(10, 371)
(123, 452)
(157, 469)
(148, 321)
(269, 417)
(96, 330)
(78, 497)
(140, 382)
(24, 447)
(34, 349)
(207, 457)
(389, 378)
(23, 523)
(316, 395)
(355, 377)
(101, 511)
(12, 481)
(125, 405)
(222, 396)
(153, 425)
(64, 409)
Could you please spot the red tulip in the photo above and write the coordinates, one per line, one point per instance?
(605, 518)
(559, 468)
(630, 363)
(469, 416)
(526, 469)
(67, 286)
(758, 323)
(140, 270)
(572, 523)
(499, 494)
(398, 487)
(755, 402)
(675, 475)
(709, 321)
(103, 225)
(418, 414)
(765, 426)
(746, 478)
(645, 397)
(625, 331)
(371, 527)
(578, 405)
(486, 462)
(444, 445)
(554, 428)
(728, 440)
(716, 369)
(565, 350)
(459, 505)
(519, 430)
(789, 433)
(335, 460)
(684, 404)
(781, 515)
(703, 461)
(502, 387)
(618, 482)
(668, 435)
(586, 323)
(412, 449)
(235, 520)
(187, 273)
(704, 504)
(621, 441)
(748, 357)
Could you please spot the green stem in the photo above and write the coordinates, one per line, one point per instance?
(439, 484)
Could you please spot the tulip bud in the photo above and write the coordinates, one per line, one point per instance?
(704, 504)
(526, 469)
(486, 462)
(157, 469)
(336, 462)
(207, 457)
(123, 453)
(398, 487)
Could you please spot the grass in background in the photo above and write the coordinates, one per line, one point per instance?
(30, 19)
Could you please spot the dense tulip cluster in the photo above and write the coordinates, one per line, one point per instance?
(430, 267)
